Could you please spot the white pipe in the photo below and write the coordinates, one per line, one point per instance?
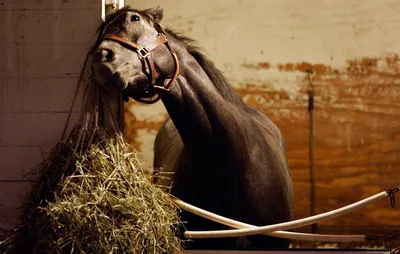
(118, 3)
(287, 225)
(280, 234)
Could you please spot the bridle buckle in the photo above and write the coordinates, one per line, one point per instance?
(142, 52)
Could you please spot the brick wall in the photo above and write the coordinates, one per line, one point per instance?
(43, 44)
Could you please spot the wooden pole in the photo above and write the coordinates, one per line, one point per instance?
(310, 73)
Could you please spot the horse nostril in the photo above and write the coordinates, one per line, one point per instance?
(106, 55)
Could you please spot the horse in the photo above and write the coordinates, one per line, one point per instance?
(225, 156)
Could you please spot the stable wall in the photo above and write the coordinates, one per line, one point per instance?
(264, 49)
(43, 45)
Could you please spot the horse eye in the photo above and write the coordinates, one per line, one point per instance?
(135, 18)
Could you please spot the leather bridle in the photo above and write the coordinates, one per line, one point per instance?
(144, 56)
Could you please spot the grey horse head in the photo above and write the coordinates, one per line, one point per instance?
(116, 66)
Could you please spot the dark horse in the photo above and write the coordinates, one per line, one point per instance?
(226, 156)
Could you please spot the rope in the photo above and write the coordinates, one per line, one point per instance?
(108, 109)
(291, 224)
(80, 81)
(391, 195)
(396, 251)
(280, 234)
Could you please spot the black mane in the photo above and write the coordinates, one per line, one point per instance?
(215, 75)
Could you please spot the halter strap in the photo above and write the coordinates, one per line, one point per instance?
(144, 56)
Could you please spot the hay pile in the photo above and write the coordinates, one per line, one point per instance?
(93, 196)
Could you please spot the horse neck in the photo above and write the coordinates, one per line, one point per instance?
(202, 114)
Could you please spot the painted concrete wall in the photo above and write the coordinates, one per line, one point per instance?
(42, 48)
(264, 48)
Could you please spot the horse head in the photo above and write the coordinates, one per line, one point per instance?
(132, 55)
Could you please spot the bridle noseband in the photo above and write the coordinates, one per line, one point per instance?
(144, 56)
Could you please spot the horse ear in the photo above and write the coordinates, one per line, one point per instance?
(156, 13)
